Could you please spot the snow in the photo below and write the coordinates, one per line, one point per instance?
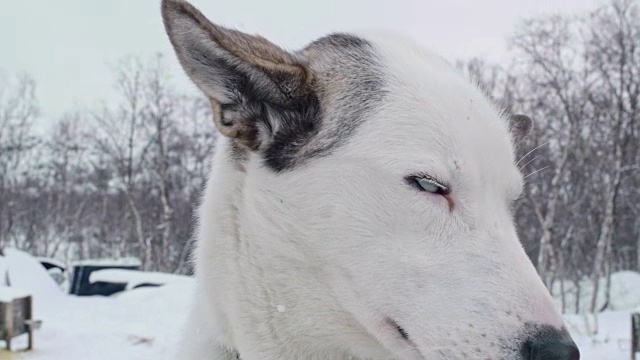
(139, 324)
(3, 271)
(625, 287)
(625, 292)
(145, 323)
(134, 278)
(25, 272)
(602, 337)
(136, 325)
(129, 261)
(8, 294)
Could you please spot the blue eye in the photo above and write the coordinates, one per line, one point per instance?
(428, 184)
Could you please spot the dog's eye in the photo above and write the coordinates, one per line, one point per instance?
(428, 184)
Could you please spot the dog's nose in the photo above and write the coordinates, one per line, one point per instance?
(550, 344)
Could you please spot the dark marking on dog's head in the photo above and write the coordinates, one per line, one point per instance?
(348, 81)
(351, 82)
(289, 107)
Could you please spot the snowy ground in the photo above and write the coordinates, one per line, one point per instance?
(611, 340)
(140, 324)
(137, 324)
(144, 323)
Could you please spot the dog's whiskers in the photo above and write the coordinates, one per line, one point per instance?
(537, 171)
(528, 162)
(534, 149)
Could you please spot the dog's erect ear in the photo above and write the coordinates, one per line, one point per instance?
(520, 126)
(249, 80)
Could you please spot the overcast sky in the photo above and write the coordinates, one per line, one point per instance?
(67, 45)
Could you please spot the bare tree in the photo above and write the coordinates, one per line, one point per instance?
(18, 111)
(160, 120)
(557, 84)
(121, 142)
(157, 145)
(614, 53)
(123, 181)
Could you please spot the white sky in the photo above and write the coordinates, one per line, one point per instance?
(67, 45)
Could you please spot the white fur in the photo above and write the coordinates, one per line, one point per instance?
(308, 263)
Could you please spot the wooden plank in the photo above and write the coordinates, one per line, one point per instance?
(8, 316)
(20, 308)
(3, 310)
(635, 334)
(16, 319)
(28, 315)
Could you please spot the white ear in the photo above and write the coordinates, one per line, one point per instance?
(249, 80)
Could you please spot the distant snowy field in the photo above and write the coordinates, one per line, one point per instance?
(144, 323)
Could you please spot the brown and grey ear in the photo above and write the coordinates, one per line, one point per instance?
(254, 86)
(520, 126)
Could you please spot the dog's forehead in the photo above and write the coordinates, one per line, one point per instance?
(426, 106)
(383, 95)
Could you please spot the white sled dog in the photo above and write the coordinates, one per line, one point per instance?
(358, 206)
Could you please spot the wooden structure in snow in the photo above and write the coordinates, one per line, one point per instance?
(16, 316)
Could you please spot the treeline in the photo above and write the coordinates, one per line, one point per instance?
(123, 180)
(578, 78)
(120, 180)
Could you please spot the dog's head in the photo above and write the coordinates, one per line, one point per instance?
(380, 177)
